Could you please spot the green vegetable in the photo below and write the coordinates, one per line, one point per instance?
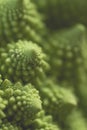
(8, 126)
(22, 61)
(57, 101)
(68, 49)
(43, 122)
(43, 65)
(22, 103)
(19, 19)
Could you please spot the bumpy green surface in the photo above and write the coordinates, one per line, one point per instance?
(67, 54)
(19, 19)
(3, 104)
(9, 126)
(57, 101)
(43, 122)
(23, 102)
(22, 61)
(31, 35)
(68, 59)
